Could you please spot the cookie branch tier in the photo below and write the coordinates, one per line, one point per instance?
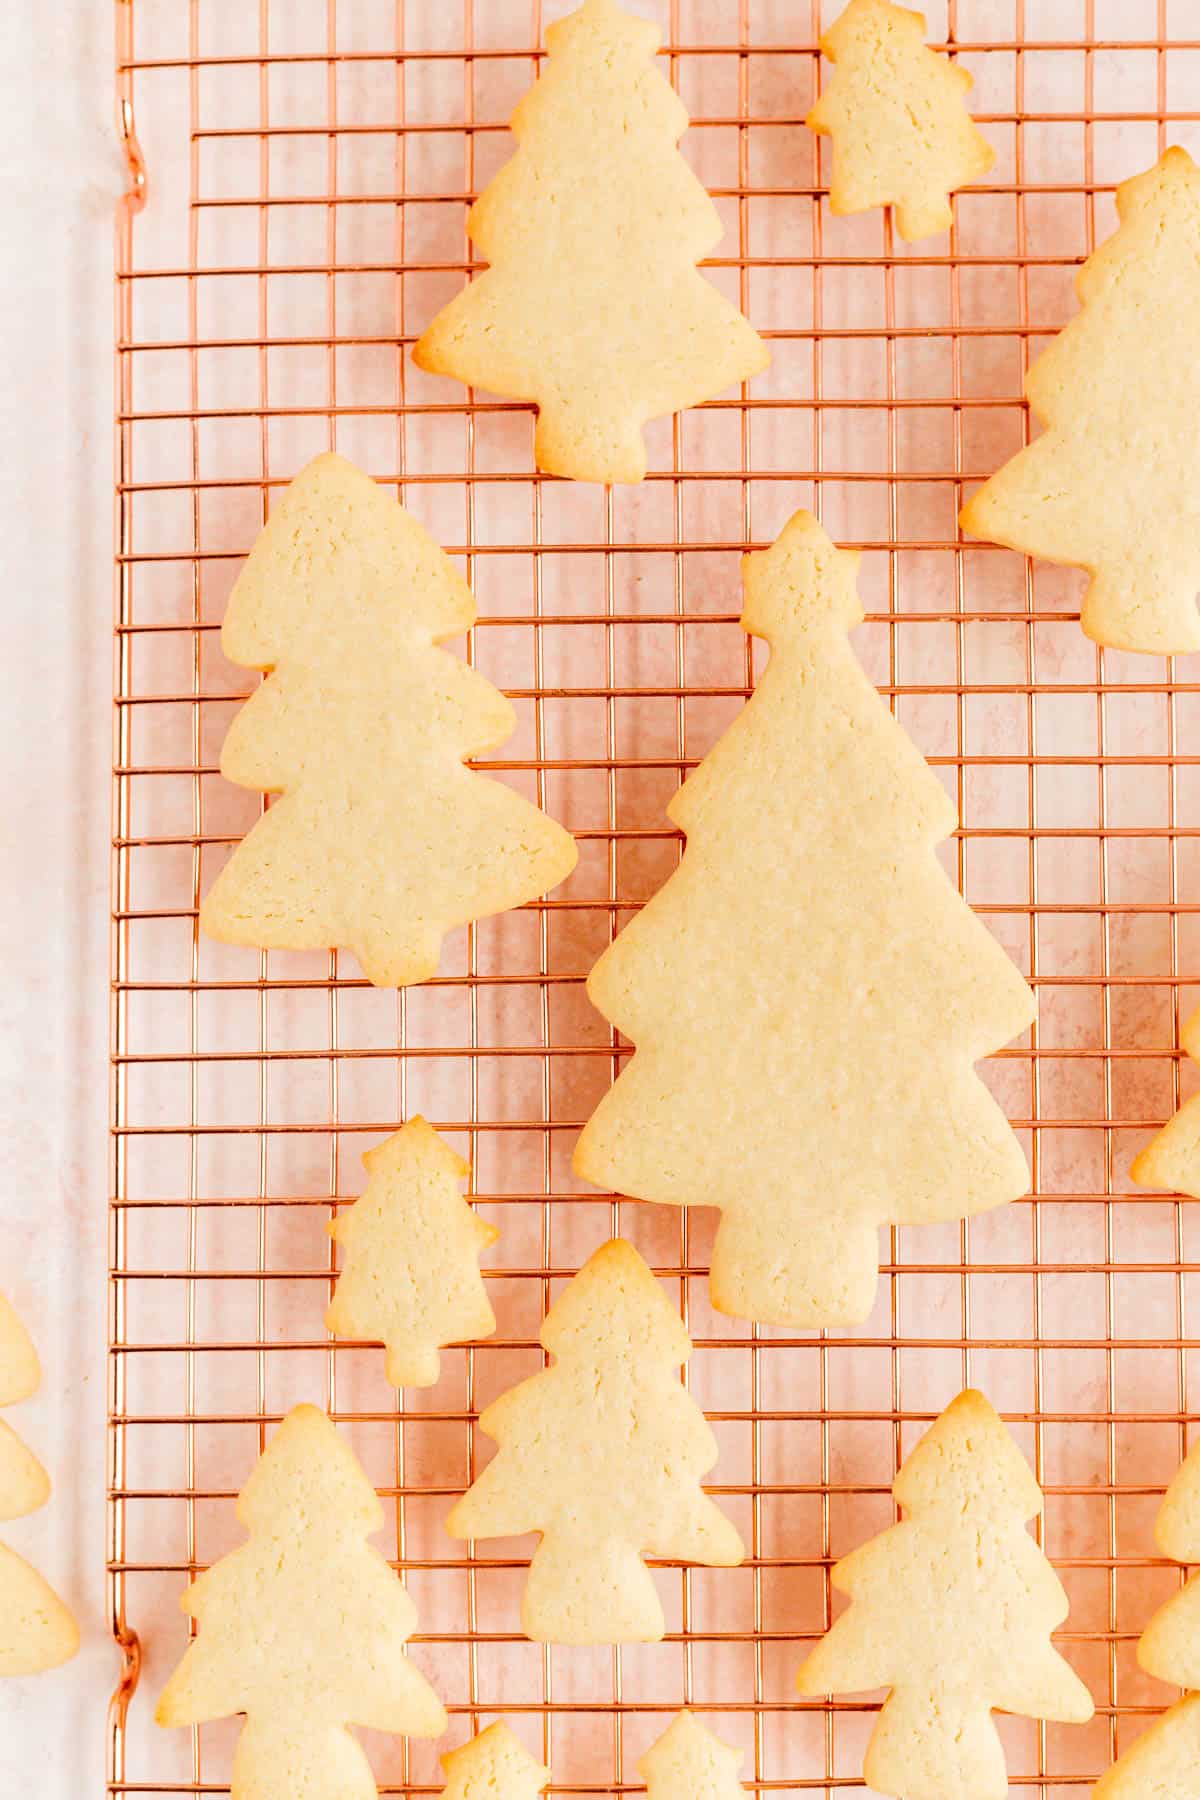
(808, 993)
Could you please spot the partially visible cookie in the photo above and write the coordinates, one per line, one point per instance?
(303, 1627)
(37, 1631)
(902, 136)
(952, 1610)
(20, 1371)
(592, 305)
(1113, 483)
(411, 1271)
(493, 1766)
(382, 840)
(602, 1453)
(1172, 1159)
(688, 1763)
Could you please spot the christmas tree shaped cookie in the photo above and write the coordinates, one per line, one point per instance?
(36, 1630)
(902, 135)
(411, 1275)
(493, 1766)
(1164, 1763)
(592, 305)
(952, 1610)
(1113, 483)
(689, 1763)
(808, 993)
(383, 840)
(1172, 1159)
(602, 1453)
(303, 1628)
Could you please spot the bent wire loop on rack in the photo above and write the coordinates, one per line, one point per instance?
(310, 172)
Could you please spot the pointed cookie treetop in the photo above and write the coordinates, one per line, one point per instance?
(1112, 484)
(896, 112)
(592, 305)
(689, 1763)
(493, 1766)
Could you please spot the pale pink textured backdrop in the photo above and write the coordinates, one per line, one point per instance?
(1058, 1307)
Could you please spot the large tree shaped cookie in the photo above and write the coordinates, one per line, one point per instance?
(592, 305)
(411, 1275)
(36, 1630)
(383, 840)
(1164, 1763)
(303, 1628)
(808, 993)
(602, 1453)
(1113, 483)
(952, 1610)
(902, 135)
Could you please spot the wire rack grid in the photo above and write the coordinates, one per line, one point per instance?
(310, 166)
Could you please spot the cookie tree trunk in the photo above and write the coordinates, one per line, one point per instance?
(807, 993)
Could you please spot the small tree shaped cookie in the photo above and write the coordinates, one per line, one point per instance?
(1111, 485)
(36, 1630)
(303, 1628)
(1172, 1159)
(383, 840)
(602, 1453)
(688, 1763)
(592, 305)
(1164, 1763)
(411, 1274)
(493, 1766)
(902, 135)
(807, 992)
(952, 1610)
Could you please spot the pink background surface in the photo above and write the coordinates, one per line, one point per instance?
(1107, 946)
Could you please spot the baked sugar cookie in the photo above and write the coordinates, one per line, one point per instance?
(688, 1763)
(808, 994)
(1164, 1763)
(382, 840)
(1172, 1159)
(902, 136)
(952, 1610)
(1113, 483)
(592, 305)
(493, 1766)
(411, 1242)
(303, 1628)
(602, 1453)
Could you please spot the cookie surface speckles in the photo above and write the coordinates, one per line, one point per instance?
(592, 305)
(902, 136)
(1112, 485)
(952, 1610)
(382, 839)
(602, 1453)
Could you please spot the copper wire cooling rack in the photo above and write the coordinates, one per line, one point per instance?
(309, 168)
